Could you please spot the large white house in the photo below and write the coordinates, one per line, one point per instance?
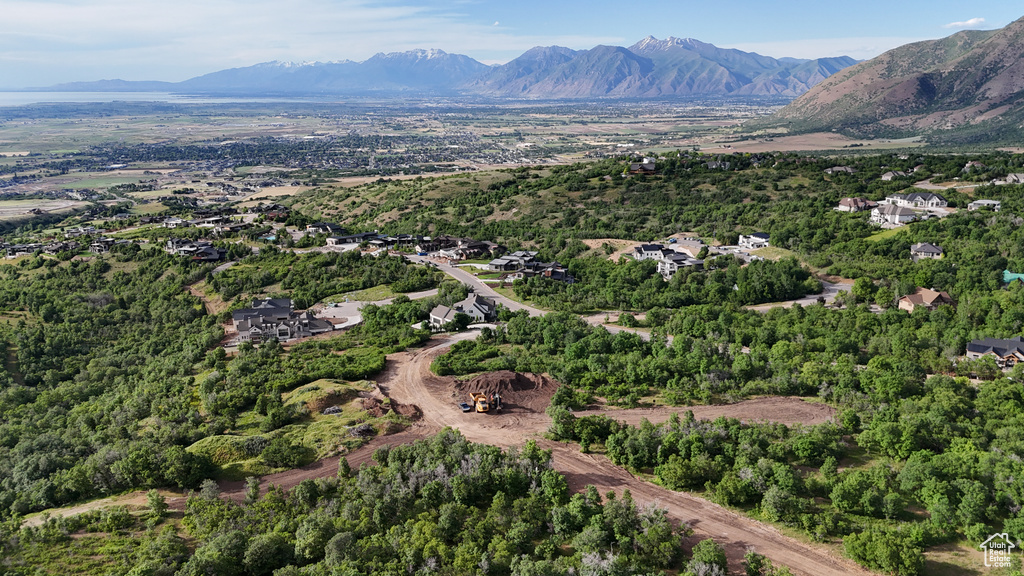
(892, 214)
(755, 241)
(917, 200)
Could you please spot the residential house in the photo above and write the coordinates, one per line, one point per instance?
(993, 205)
(83, 231)
(892, 214)
(917, 200)
(755, 241)
(648, 252)
(15, 250)
(647, 166)
(1007, 352)
(352, 238)
(974, 165)
(718, 165)
(512, 262)
(925, 298)
(175, 222)
(478, 308)
(102, 245)
(672, 262)
(276, 319)
(324, 228)
(549, 270)
(840, 170)
(58, 247)
(892, 175)
(855, 205)
(925, 251)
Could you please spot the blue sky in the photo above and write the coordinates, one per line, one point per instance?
(43, 42)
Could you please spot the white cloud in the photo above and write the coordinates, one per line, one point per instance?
(48, 41)
(972, 23)
(496, 23)
(858, 48)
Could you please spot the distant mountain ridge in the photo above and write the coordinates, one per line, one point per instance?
(966, 87)
(650, 68)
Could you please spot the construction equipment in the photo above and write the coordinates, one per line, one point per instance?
(496, 401)
(480, 401)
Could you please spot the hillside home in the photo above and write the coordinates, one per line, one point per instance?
(512, 262)
(855, 205)
(324, 228)
(276, 319)
(892, 214)
(352, 238)
(755, 241)
(916, 200)
(478, 308)
(175, 222)
(924, 298)
(993, 205)
(549, 270)
(672, 262)
(973, 166)
(648, 252)
(1006, 352)
(647, 166)
(894, 175)
(840, 170)
(925, 251)
(102, 245)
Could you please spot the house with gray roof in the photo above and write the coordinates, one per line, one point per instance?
(925, 251)
(276, 319)
(478, 308)
(1006, 352)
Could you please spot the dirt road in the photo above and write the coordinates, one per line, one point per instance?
(784, 410)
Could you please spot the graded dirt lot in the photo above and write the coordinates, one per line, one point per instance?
(782, 410)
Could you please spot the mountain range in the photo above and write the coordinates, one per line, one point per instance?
(650, 68)
(968, 87)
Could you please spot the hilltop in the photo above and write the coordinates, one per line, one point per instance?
(963, 88)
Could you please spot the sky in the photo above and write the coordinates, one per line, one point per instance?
(45, 42)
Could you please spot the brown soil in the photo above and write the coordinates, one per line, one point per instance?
(783, 410)
(523, 392)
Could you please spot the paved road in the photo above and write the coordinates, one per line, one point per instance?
(831, 290)
(478, 286)
(350, 310)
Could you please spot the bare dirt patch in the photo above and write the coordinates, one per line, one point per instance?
(622, 247)
(782, 410)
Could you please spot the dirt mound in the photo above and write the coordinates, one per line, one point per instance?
(530, 392)
(377, 408)
(319, 404)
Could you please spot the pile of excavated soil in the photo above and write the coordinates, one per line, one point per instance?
(376, 408)
(529, 392)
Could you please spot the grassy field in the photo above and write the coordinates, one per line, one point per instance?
(322, 435)
(884, 234)
(774, 253)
